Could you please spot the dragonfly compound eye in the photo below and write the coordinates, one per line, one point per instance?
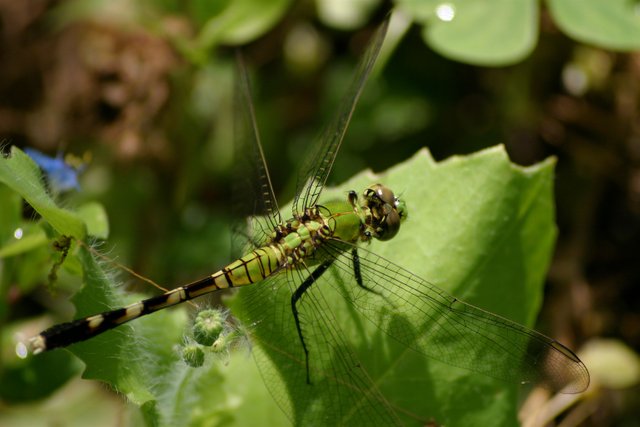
(389, 226)
(381, 193)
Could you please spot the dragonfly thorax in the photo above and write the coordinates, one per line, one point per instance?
(377, 214)
(299, 237)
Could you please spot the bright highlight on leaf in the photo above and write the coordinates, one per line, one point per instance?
(504, 32)
(445, 12)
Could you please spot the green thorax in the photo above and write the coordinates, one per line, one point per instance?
(377, 214)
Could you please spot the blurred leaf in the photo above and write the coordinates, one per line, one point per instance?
(241, 21)
(95, 217)
(611, 24)
(32, 259)
(22, 175)
(602, 354)
(204, 10)
(10, 217)
(36, 378)
(480, 32)
(117, 12)
(78, 403)
(32, 238)
(10, 214)
(345, 15)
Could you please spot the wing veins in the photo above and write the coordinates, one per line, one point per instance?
(317, 166)
(264, 194)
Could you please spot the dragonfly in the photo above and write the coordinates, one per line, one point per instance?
(305, 359)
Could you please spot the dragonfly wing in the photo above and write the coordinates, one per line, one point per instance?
(341, 391)
(454, 332)
(313, 175)
(253, 193)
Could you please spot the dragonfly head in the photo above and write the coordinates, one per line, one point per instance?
(385, 212)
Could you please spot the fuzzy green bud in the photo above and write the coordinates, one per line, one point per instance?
(208, 326)
(193, 355)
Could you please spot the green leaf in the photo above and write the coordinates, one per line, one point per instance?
(32, 238)
(481, 32)
(133, 356)
(204, 10)
(241, 21)
(611, 24)
(36, 378)
(603, 353)
(10, 214)
(23, 176)
(479, 227)
(482, 229)
(95, 217)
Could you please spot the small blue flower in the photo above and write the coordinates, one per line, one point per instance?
(61, 175)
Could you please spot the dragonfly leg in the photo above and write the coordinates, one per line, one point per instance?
(294, 300)
(356, 271)
(353, 198)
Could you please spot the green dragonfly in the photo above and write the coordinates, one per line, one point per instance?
(320, 249)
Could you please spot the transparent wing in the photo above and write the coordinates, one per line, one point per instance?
(454, 332)
(344, 390)
(313, 175)
(253, 194)
(341, 391)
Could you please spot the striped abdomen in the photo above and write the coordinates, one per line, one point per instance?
(251, 268)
